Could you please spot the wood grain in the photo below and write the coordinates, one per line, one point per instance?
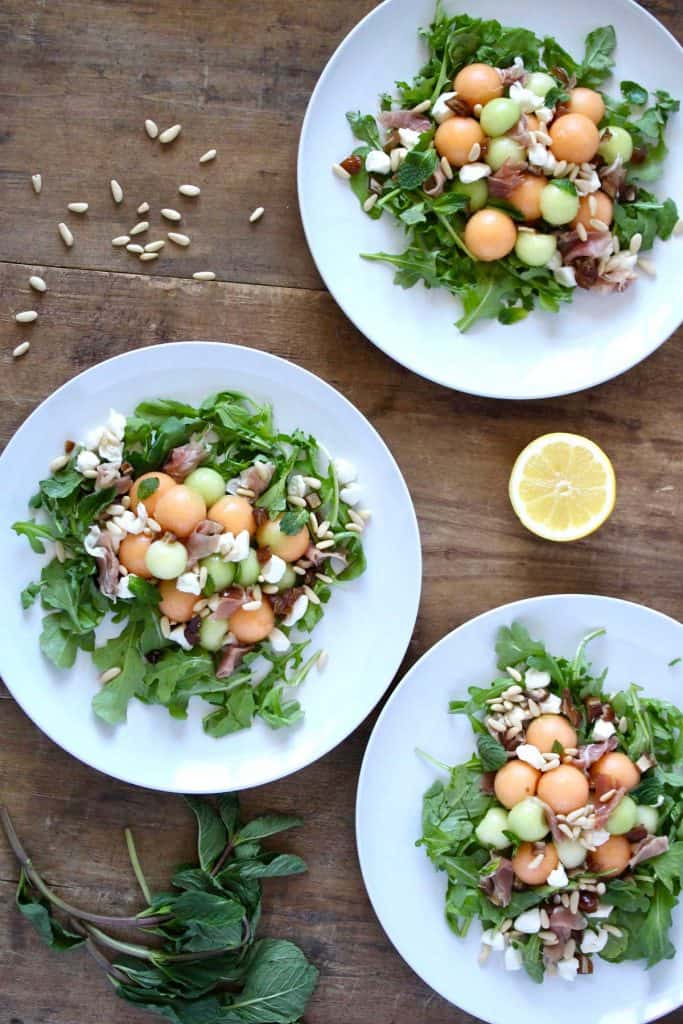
(77, 80)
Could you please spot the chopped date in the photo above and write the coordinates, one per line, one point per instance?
(352, 165)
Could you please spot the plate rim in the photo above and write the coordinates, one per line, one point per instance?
(266, 777)
(509, 606)
(383, 347)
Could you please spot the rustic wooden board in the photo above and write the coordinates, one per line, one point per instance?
(77, 80)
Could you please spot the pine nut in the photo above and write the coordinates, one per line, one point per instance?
(59, 463)
(37, 182)
(135, 248)
(341, 172)
(143, 208)
(635, 243)
(258, 213)
(27, 316)
(137, 229)
(121, 240)
(155, 246)
(37, 283)
(145, 257)
(169, 134)
(65, 234)
(179, 239)
(111, 673)
(21, 350)
(446, 168)
(78, 207)
(116, 191)
(151, 128)
(192, 191)
(206, 157)
(171, 214)
(206, 275)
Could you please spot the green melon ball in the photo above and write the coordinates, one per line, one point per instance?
(540, 83)
(220, 573)
(166, 559)
(212, 633)
(623, 817)
(571, 853)
(558, 205)
(490, 829)
(248, 570)
(501, 150)
(535, 249)
(528, 821)
(499, 116)
(208, 483)
(648, 817)
(288, 579)
(617, 143)
(477, 193)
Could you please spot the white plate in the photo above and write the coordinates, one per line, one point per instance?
(365, 644)
(408, 894)
(587, 343)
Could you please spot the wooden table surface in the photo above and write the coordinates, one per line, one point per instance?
(77, 80)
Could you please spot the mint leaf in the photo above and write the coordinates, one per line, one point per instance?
(418, 166)
(491, 752)
(148, 487)
(212, 834)
(294, 520)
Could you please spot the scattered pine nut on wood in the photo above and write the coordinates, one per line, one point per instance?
(146, 256)
(192, 191)
(27, 316)
(257, 214)
(171, 214)
(21, 350)
(121, 240)
(37, 283)
(116, 191)
(143, 208)
(209, 155)
(169, 134)
(151, 128)
(78, 207)
(175, 236)
(155, 246)
(65, 234)
(134, 247)
(204, 275)
(137, 229)
(37, 182)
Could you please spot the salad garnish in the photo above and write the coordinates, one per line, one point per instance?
(563, 835)
(215, 538)
(515, 177)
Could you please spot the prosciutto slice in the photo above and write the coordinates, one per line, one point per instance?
(232, 601)
(563, 922)
(434, 186)
(405, 119)
(498, 885)
(553, 823)
(603, 810)
(230, 659)
(613, 177)
(648, 848)
(520, 133)
(107, 565)
(592, 752)
(506, 179)
(597, 245)
(203, 541)
(184, 459)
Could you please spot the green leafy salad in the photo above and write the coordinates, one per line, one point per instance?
(563, 835)
(514, 176)
(213, 538)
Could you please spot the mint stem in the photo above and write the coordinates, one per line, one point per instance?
(135, 864)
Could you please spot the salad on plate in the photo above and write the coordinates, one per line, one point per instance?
(563, 835)
(515, 177)
(214, 538)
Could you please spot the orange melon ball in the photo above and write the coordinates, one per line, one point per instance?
(612, 857)
(564, 789)
(234, 513)
(575, 138)
(490, 234)
(527, 196)
(287, 546)
(478, 83)
(132, 553)
(617, 769)
(603, 210)
(455, 137)
(180, 510)
(587, 102)
(548, 729)
(176, 605)
(165, 484)
(252, 627)
(526, 854)
(515, 781)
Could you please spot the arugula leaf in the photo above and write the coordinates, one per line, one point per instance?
(123, 651)
(364, 127)
(57, 641)
(598, 62)
(635, 94)
(532, 958)
(35, 533)
(668, 868)
(514, 645)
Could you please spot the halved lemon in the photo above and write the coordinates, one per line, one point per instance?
(563, 487)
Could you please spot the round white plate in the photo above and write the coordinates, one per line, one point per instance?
(591, 341)
(365, 645)
(406, 891)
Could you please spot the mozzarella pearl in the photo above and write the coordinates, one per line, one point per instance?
(180, 510)
(234, 513)
(175, 604)
(252, 627)
(612, 857)
(575, 138)
(617, 770)
(564, 789)
(478, 83)
(526, 855)
(133, 554)
(490, 235)
(165, 483)
(455, 137)
(549, 729)
(287, 546)
(515, 781)
(603, 210)
(527, 196)
(587, 102)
